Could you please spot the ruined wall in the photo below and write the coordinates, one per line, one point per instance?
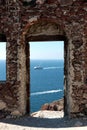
(22, 23)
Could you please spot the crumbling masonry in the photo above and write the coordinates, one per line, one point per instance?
(22, 21)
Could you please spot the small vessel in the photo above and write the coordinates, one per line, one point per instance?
(38, 67)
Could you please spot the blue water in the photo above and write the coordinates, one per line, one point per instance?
(46, 84)
(2, 70)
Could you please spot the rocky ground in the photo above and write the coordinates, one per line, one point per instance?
(48, 114)
(54, 106)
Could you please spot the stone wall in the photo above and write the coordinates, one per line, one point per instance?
(21, 23)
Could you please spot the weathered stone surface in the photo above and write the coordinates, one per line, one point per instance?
(65, 2)
(23, 22)
(16, 113)
(2, 105)
(40, 2)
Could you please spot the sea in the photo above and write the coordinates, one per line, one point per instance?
(46, 84)
(2, 70)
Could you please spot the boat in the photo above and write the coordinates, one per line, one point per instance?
(38, 67)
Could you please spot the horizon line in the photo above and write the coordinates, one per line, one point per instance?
(38, 59)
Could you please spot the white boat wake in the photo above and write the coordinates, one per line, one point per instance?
(46, 92)
(52, 68)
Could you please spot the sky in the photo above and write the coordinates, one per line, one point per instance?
(40, 50)
(47, 50)
(2, 50)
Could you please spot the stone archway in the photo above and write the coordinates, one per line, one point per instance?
(42, 30)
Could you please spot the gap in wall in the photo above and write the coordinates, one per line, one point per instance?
(46, 73)
(2, 61)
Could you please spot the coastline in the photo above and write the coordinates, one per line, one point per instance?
(48, 114)
(51, 110)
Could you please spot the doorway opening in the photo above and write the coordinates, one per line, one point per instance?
(46, 76)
